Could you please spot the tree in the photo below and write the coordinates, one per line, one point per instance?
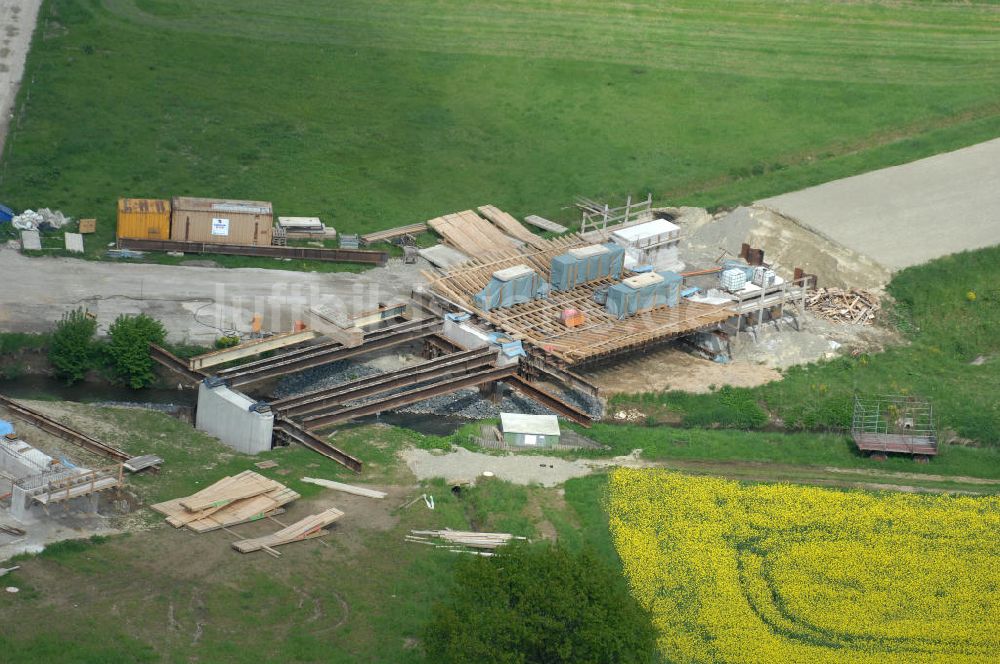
(72, 350)
(128, 348)
(539, 604)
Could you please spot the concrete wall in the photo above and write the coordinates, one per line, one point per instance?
(226, 414)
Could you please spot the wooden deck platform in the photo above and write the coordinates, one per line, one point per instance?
(537, 323)
(895, 443)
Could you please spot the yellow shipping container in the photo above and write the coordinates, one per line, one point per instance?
(143, 219)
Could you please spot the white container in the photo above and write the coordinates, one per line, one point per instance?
(763, 277)
(733, 279)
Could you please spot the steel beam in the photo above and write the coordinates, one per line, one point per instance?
(446, 386)
(165, 358)
(336, 255)
(549, 400)
(324, 354)
(365, 387)
(48, 425)
(292, 431)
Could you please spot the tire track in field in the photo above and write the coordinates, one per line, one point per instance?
(809, 41)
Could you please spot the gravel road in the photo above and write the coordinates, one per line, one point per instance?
(908, 214)
(194, 303)
(17, 22)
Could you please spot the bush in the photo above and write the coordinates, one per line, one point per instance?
(128, 348)
(72, 350)
(539, 604)
(227, 342)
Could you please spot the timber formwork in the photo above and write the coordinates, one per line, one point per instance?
(537, 323)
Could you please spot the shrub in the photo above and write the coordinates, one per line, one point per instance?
(539, 604)
(72, 350)
(128, 348)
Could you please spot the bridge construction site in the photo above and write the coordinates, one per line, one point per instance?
(503, 306)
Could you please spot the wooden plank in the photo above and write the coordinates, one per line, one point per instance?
(345, 488)
(544, 224)
(250, 348)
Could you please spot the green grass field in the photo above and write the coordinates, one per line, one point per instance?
(372, 113)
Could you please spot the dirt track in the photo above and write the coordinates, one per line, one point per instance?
(908, 214)
(17, 21)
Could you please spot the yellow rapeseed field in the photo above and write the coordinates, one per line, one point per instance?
(777, 573)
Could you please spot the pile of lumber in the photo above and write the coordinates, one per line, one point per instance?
(472, 235)
(393, 233)
(307, 528)
(245, 497)
(856, 305)
(449, 539)
(511, 226)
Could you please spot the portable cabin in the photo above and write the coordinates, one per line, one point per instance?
(143, 219)
(529, 430)
(513, 285)
(220, 221)
(653, 243)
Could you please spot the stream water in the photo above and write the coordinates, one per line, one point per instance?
(47, 387)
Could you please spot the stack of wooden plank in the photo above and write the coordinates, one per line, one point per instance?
(472, 235)
(855, 306)
(245, 497)
(307, 528)
(511, 226)
(449, 538)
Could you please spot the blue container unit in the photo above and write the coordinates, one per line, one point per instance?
(583, 264)
(644, 292)
(6, 214)
(510, 286)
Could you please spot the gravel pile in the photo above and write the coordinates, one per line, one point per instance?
(320, 378)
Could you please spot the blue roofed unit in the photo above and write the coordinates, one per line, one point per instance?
(643, 292)
(583, 264)
(510, 286)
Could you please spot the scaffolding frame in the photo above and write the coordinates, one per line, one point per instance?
(894, 423)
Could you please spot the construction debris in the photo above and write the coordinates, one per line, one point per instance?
(248, 496)
(4, 571)
(44, 219)
(346, 488)
(135, 464)
(264, 465)
(307, 528)
(857, 306)
(450, 538)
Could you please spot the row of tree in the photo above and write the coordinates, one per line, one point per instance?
(74, 350)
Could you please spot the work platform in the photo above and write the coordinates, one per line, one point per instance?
(538, 324)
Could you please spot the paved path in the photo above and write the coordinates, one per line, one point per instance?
(17, 21)
(192, 302)
(909, 214)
